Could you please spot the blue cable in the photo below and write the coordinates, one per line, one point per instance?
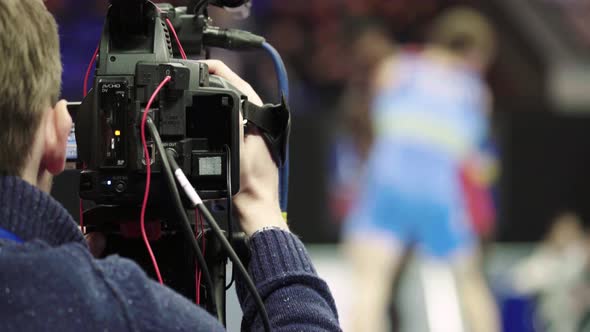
(283, 81)
(280, 70)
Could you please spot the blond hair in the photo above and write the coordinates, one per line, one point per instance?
(463, 30)
(30, 77)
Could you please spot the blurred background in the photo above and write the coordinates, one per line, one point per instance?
(540, 129)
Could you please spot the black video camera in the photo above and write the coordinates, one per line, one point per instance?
(196, 114)
(197, 117)
(194, 124)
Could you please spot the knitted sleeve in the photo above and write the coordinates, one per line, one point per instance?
(296, 299)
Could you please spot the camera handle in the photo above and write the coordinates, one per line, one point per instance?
(274, 120)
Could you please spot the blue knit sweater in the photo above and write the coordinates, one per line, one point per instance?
(52, 283)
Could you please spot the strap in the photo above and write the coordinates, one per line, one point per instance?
(275, 123)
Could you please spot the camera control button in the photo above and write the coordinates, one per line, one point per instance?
(120, 186)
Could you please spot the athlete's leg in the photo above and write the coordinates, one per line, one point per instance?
(375, 239)
(375, 262)
(479, 308)
(446, 237)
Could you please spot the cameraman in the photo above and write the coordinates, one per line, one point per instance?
(49, 281)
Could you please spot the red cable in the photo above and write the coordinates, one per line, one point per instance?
(148, 176)
(203, 241)
(197, 283)
(203, 246)
(88, 70)
(200, 225)
(182, 54)
(84, 93)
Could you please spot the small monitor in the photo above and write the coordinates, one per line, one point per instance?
(72, 147)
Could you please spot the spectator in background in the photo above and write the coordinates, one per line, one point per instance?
(429, 123)
(354, 135)
(557, 274)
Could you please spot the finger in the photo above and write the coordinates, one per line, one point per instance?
(220, 69)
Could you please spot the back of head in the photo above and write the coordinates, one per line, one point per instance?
(30, 77)
(370, 48)
(466, 33)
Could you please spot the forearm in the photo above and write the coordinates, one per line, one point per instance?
(296, 299)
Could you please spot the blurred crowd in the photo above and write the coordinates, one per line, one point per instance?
(316, 40)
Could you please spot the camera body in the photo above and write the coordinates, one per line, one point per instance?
(196, 114)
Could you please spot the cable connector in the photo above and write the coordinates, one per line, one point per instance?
(191, 193)
(231, 39)
(187, 187)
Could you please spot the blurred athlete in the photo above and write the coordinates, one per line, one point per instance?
(429, 122)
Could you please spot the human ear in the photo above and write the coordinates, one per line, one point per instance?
(56, 126)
